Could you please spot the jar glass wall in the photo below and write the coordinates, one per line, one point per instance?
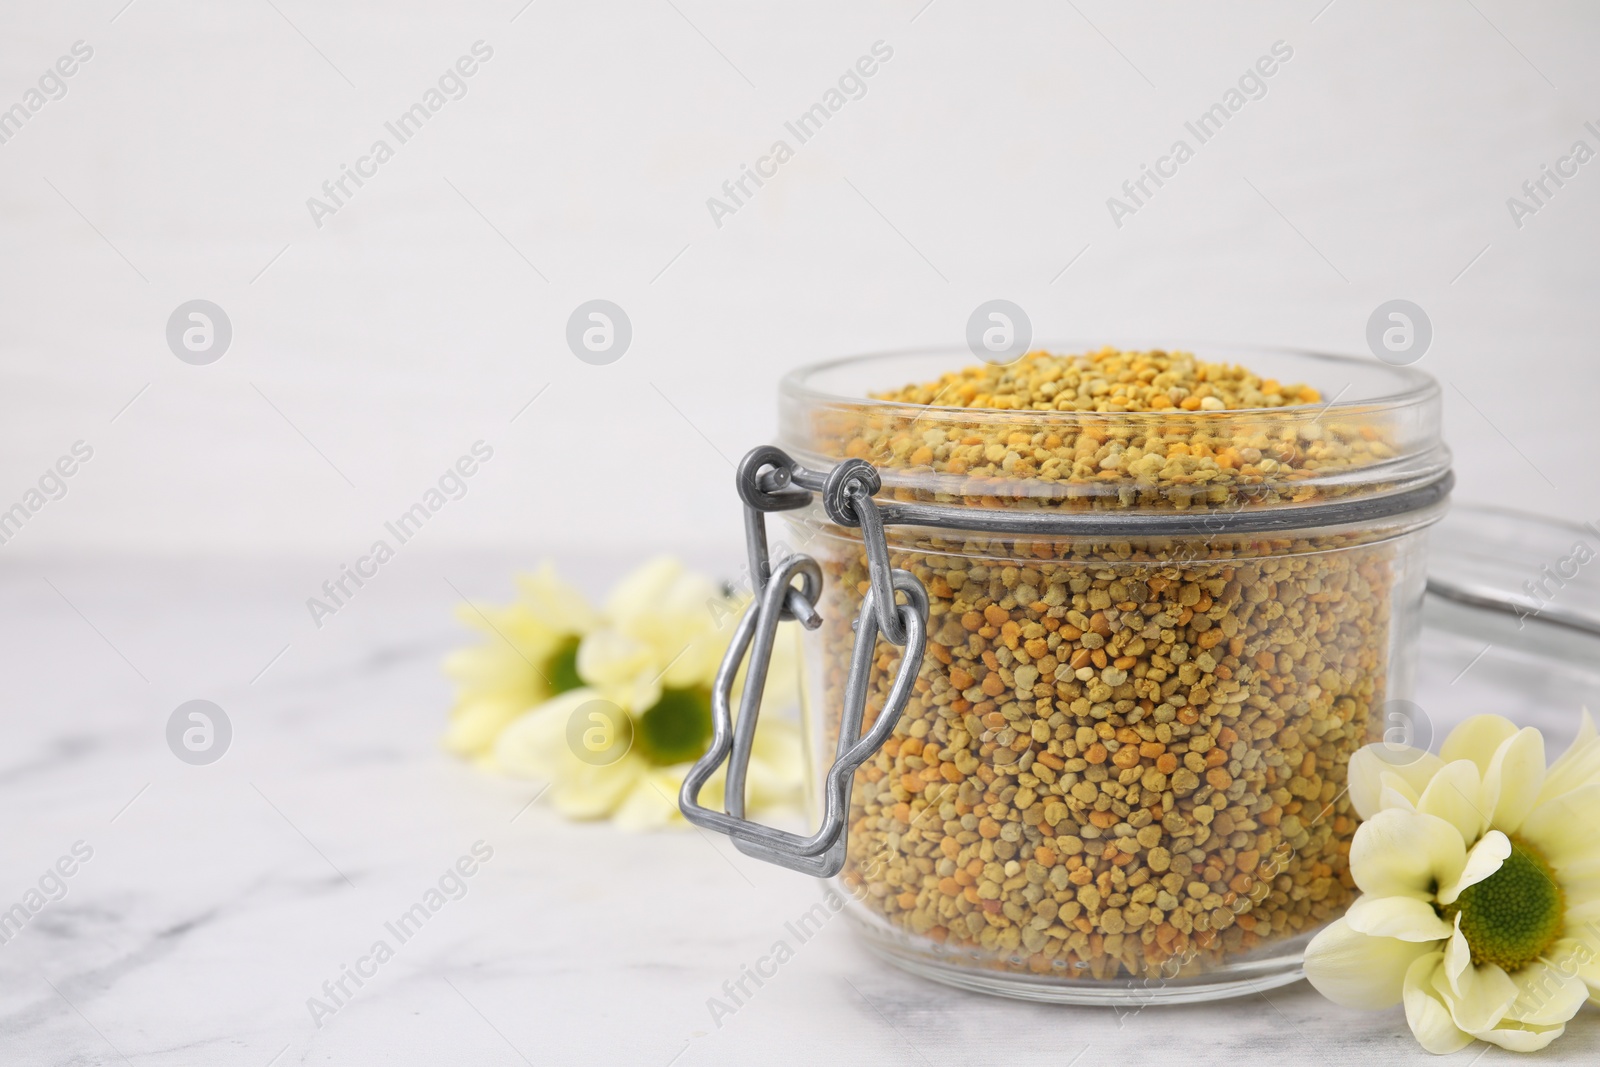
(1123, 766)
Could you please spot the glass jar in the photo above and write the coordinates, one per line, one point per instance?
(1108, 763)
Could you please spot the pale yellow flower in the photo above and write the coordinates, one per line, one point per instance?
(620, 745)
(636, 791)
(529, 655)
(1480, 878)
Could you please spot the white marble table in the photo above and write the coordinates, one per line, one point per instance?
(219, 898)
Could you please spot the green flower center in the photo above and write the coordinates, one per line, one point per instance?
(1514, 915)
(676, 728)
(561, 668)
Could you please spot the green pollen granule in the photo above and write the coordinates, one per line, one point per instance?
(1515, 914)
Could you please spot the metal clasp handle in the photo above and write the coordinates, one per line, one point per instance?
(766, 481)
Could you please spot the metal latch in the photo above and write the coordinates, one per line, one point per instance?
(769, 480)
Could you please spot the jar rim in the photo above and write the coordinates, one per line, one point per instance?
(1413, 386)
(1378, 435)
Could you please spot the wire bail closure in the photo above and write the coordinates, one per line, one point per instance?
(767, 481)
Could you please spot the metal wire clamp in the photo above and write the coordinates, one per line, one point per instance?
(768, 480)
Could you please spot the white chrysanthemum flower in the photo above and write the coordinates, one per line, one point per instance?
(1480, 877)
(530, 655)
(620, 744)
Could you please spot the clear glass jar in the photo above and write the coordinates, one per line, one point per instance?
(1120, 774)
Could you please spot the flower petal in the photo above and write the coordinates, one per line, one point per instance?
(1369, 765)
(1563, 828)
(1587, 961)
(497, 666)
(643, 589)
(1397, 794)
(586, 792)
(1514, 778)
(1518, 1039)
(1484, 859)
(1454, 796)
(1478, 997)
(652, 803)
(474, 724)
(1457, 958)
(1580, 879)
(1405, 918)
(1358, 970)
(1585, 914)
(535, 744)
(1578, 765)
(1477, 739)
(625, 670)
(556, 603)
(1426, 1013)
(1548, 994)
(1402, 853)
(667, 606)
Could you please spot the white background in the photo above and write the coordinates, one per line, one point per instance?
(405, 328)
